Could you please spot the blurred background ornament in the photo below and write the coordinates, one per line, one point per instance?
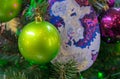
(9, 9)
(110, 25)
(79, 29)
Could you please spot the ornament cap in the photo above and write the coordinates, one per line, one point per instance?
(38, 17)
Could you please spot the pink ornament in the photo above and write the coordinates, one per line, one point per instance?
(111, 3)
(110, 25)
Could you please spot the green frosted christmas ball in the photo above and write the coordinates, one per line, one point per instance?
(9, 9)
(39, 42)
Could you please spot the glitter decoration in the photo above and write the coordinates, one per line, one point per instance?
(78, 26)
(110, 25)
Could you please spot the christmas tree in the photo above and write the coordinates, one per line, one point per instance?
(60, 39)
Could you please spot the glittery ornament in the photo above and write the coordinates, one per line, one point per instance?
(78, 26)
(110, 25)
(110, 3)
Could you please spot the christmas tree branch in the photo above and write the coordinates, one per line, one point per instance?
(117, 3)
(30, 12)
(66, 70)
(99, 5)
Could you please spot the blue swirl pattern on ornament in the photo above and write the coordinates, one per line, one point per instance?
(89, 23)
(79, 29)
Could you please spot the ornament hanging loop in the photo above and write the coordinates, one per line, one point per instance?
(38, 17)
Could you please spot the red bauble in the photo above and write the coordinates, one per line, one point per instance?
(110, 25)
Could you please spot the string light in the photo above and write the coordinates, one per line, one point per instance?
(100, 75)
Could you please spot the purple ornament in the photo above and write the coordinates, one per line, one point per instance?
(110, 25)
(111, 3)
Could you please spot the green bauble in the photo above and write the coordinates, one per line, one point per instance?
(39, 42)
(9, 9)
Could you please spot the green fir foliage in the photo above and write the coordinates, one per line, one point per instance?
(14, 66)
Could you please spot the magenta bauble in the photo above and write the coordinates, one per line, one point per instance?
(110, 25)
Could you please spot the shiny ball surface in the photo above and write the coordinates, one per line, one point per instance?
(110, 25)
(9, 9)
(39, 42)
